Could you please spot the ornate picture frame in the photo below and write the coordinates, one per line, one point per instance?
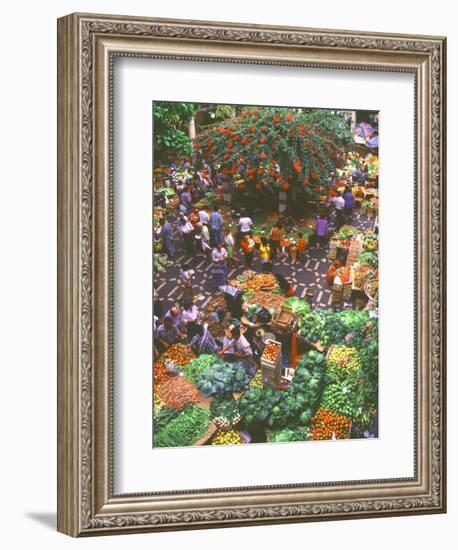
(87, 45)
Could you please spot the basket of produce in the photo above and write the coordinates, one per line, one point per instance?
(362, 274)
(271, 354)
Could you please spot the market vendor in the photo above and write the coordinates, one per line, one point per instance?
(174, 314)
(284, 285)
(166, 334)
(349, 200)
(238, 347)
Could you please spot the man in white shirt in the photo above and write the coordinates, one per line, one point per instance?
(339, 205)
(338, 202)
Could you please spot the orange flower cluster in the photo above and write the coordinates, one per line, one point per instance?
(327, 423)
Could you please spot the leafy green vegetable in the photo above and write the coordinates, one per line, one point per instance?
(196, 366)
(163, 417)
(277, 408)
(284, 435)
(223, 378)
(183, 430)
(298, 306)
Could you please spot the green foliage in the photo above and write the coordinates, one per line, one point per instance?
(171, 134)
(282, 148)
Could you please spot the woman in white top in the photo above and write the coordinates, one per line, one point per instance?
(190, 315)
(245, 224)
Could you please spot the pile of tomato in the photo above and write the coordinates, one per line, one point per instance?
(327, 424)
(179, 354)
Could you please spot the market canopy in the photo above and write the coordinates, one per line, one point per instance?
(365, 134)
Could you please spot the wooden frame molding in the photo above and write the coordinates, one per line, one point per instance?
(87, 45)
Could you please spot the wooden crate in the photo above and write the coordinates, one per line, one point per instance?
(271, 370)
(346, 292)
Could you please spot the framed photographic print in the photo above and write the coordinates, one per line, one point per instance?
(251, 274)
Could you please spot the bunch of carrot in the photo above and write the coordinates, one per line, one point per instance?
(176, 392)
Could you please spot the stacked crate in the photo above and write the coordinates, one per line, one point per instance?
(346, 292)
(332, 254)
(354, 251)
(271, 364)
(337, 289)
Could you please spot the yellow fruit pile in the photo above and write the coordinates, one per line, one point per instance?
(256, 382)
(344, 357)
(227, 438)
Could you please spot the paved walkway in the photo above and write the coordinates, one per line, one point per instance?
(309, 274)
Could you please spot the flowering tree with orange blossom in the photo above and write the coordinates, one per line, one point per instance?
(271, 149)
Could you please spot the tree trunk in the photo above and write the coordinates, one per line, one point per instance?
(192, 128)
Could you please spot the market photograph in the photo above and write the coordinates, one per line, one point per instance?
(265, 274)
